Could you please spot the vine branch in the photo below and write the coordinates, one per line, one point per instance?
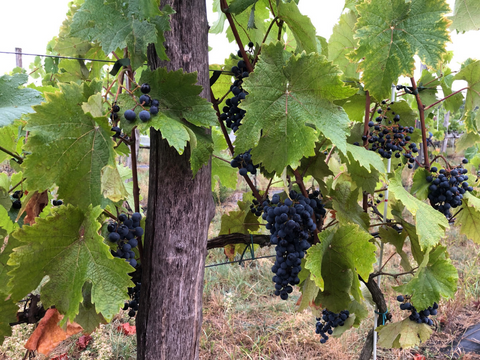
(18, 158)
(421, 110)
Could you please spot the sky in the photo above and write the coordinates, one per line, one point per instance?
(33, 23)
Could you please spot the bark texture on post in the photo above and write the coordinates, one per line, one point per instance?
(179, 211)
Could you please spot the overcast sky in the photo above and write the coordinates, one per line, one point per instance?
(30, 24)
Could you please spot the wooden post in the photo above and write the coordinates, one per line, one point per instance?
(18, 57)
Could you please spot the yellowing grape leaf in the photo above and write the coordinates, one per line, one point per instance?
(239, 221)
(113, 186)
(335, 263)
(14, 100)
(67, 248)
(309, 293)
(403, 334)
(466, 15)
(287, 111)
(391, 32)
(469, 218)
(430, 223)
(436, 278)
(68, 147)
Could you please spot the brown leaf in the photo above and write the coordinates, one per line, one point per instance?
(83, 341)
(127, 329)
(34, 207)
(229, 251)
(48, 334)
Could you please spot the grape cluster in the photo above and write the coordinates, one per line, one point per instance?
(447, 188)
(17, 195)
(328, 322)
(390, 139)
(257, 208)
(290, 224)
(126, 233)
(418, 317)
(244, 163)
(134, 301)
(144, 115)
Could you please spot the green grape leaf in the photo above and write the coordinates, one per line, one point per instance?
(67, 248)
(410, 230)
(420, 184)
(309, 293)
(8, 140)
(239, 221)
(221, 170)
(471, 74)
(359, 309)
(7, 226)
(404, 334)
(219, 24)
(430, 223)
(249, 17)
(453, 103)
(341, 43)
(179, 101)
(468, 139)
(335, 262)
(16, 101)
(345, 203)
(435, 278)
(68, 147)
(469, 218)
(300, 25)
(466, 16)
(316, 167)
(8, 309)
(239, 6)
(290, 109)
(72, 71)
(354, 107)
(201, 147)
(391, 236)
(87, 316)
(428, 92)
(391, 32)
(127, 27)
(162, 24)
(113, 187)
(365, 158)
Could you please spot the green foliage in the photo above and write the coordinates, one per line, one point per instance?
(469, 217)
(279, 103)
(471, 74)
(435, 278)
(391, 32)
(466, 16)
(67, 248)
(242, 221)
(16, 100)
(80, 145)
(335, 262)
(403, 335)
(128, 26)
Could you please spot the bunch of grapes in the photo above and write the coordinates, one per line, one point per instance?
(17, 195)
(390, 139)
(126, 233)
(290, 224)
(328, 322)
(244, 163)
(447, 188)
(134, 301)
(145, 101)
(257, 208)
(419, 317)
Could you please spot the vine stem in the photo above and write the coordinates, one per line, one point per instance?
(17, 185)
(222, 125)
(421, 110)
(136, 189)
(108, 213)
(367, 117)
(218, 157)
(329, 154)
(253, 188)
(18, 158)
(224, 5)
(380, 273)
(443, 158)
(445, 98)
(265, 38)
(385, 263)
